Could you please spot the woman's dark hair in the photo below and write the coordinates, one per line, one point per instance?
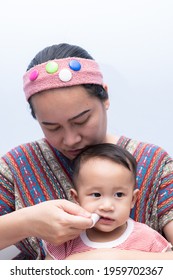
(107, 151)
(63, 51)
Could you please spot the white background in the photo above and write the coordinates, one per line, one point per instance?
(131, 39)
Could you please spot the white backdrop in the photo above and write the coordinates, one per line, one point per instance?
(131, 39)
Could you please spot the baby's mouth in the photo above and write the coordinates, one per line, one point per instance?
(106, 219)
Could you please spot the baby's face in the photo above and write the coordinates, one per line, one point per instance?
(106, 188)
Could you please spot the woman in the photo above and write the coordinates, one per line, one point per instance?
(67, 96)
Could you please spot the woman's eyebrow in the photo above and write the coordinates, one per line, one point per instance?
(79, 115)
(48, 123)
(73, 118)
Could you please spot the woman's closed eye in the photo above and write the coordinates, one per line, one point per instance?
(81, 122)
(50, 126)
(53, 129)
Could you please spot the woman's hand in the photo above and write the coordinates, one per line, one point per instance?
(56, 221)
(168, 231)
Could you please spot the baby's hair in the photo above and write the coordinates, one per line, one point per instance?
(108, 151)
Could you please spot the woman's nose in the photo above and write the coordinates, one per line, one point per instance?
(71, 138)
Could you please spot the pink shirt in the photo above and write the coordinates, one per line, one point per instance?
(137, 236)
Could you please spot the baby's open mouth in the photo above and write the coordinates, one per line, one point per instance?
(102, 219)
(106, 218)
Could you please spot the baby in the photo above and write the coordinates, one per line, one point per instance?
(105, 178)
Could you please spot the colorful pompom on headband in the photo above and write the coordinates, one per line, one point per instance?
(59, 73)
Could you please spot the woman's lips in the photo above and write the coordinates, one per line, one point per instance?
(73, 153)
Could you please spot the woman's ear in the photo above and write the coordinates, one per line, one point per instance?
(134, 198)
(106, 102)
(105, 86)
(74, 195)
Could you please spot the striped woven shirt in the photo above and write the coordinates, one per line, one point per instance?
(35, 172)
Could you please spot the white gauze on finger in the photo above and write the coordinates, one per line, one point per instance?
(95, 217)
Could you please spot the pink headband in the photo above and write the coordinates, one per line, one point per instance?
(61, 73)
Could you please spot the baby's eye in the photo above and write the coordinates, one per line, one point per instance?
(119, 194)
(96, 194)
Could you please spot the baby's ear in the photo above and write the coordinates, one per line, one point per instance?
(134, 198)
(74, 195)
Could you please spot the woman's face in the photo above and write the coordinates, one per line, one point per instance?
(71, 119)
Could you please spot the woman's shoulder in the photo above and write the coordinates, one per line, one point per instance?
(29, 152)
(142, 149)
(130, 143)
(37, 153)
(26, 148)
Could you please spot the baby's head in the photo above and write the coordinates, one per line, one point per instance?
(104, 151)
(104, 179)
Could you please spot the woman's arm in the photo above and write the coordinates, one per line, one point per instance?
(55, 221)
(12, 228)
(168, 231)
(114, 254)
(48, 257)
